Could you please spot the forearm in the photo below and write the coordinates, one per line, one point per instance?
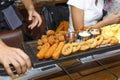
(28, 4)
(110, 19)
(100, 24)
(78, 28)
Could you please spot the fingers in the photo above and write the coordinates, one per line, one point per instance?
(16, 65)
(16, 57)
(40, 21)
(25, 58)
(8, 69)
(34, 23)
(22, 64)
(19, 60)
(36, 19)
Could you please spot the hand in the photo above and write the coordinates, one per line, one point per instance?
(87, 28)
(35, 18)
(77, 31)
(16, 57)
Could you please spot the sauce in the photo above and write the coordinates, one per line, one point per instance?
(84, 34)
(95, 31)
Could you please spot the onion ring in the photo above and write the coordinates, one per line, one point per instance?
(67, 49)
(114, 41)
(99, 39)
(93, 43)
(84, 46)
(76, 47)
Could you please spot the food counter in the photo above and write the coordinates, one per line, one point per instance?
(52, 68)
(30, 47)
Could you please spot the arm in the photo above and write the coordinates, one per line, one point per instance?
(78, 20)
(14, 56)
(33, 14)
(113, 18)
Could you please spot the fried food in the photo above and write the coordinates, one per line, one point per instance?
(44, 37)
(114, 41)
(84, 46)
(93, 43)
(51, 39)
(63, 26)
(57, 36)
(57, 41)
(75, 47)
(62, 32)
(111, 30)
(106, 40)
(45, 40)
(109, 33)
(40, 42)
(66, 25)
(67, 49)
(99, 39)
(58, 50)
(41, 53)
(61, 38)
(50, 51)
(39, 47)
(50, 32)
(117, 35)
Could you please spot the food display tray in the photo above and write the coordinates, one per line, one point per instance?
(31, 49)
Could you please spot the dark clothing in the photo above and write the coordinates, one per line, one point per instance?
(5, 3)
(9, 15)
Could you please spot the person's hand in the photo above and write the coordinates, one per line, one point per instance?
(35, 18)
(112, 18)
(16, 57)
(87, 28)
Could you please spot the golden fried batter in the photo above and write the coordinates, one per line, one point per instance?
(50, 32)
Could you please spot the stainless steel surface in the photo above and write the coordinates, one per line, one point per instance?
(84, 35)
(71, 37)
(95, 32)
(35, 72)
(100, 56)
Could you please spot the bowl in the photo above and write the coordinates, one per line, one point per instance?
(70, 37)
(84, 35)
(95, 32)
